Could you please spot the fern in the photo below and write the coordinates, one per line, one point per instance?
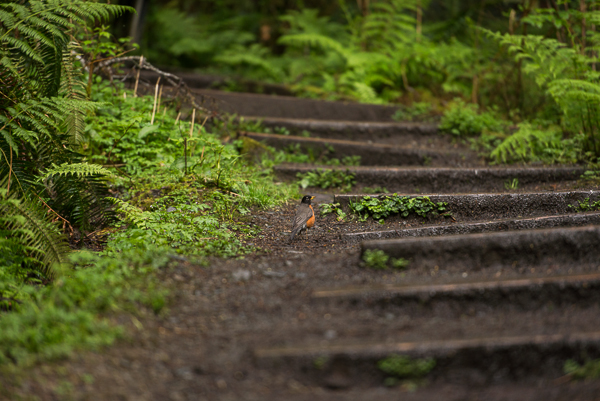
(565, 70)
(76, 169)
(254, 56)
(25, 222)
(42, 110)
(531, 144)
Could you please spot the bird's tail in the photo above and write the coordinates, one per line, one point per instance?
(293, 234)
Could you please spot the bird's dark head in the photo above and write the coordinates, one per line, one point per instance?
(307, 198)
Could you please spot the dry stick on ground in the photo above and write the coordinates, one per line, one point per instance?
(155, 99)
(137, 77)
(177, 82)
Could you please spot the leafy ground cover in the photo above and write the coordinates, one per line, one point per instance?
(175, 191)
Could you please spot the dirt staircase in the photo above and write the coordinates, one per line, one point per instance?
(501, 295)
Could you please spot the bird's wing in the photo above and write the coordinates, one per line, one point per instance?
(303, 213)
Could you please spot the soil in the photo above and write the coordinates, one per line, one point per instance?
(256, 328)
(203, 347)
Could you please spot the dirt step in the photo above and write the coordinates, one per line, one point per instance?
(371, 154)
(562, 247)
(461, 295)
(464, 358)
(470, 207)
(569, 220)
(449, 180)
(396, 133)
(270, 106)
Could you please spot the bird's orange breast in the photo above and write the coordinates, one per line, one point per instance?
(311, 220)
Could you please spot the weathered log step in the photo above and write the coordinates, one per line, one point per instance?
(562, 247)
(528, 292)
(396, 133)
(448, 180)
(569, 220)
(371, 154)
(270, 106)
(491, 206)
(495, 359)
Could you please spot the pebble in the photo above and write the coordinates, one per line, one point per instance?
(274, 274)
(241, 275)
(171, 209)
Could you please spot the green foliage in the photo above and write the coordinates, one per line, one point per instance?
(586, 206)
(327, 208)
(173, 221)
(589, 370)
(182, 39)
(299, 154)
(29, 243)
(511, 184)
(379, 208)
(63, 317)
(418, 111)
(591, 176)
(401, 366)
(530, 144)
(41, 112)
(379, 260)
(162, 203)
(564, 69)
(344, 180)
(463, 119)
(374, 190)
(345, 161)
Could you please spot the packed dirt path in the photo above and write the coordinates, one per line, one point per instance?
(496, 298)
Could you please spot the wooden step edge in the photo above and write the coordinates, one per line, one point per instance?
(462, 287)
(433, 347)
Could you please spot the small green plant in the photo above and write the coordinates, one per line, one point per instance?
(52, 321)
(541, 142)
(379, 260)
(589, 370)
(374, 190)
(463, 119)
(343, 180)
(591, 176)
(511, 184)
(319, 362)
(379, 208)
(404, 367)
(586, 206)
(346, 161)
(327, 208)
(418, 111)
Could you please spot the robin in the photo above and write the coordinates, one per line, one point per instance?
(305, 216)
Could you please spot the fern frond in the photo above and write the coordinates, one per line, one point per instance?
(313, 39)
(26, 221)
(75, 169)
(527, 144)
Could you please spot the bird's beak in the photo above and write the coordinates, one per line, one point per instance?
(312, 197)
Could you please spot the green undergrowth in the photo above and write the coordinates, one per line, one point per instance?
(49, 322)
(379, 260)
(405, 370)
(382, 207)
(418, 111)
(297, 154)
(178, 186)
(174, 190)
(328, 208)
(586, 205)
(587, 371)
(339, 179)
